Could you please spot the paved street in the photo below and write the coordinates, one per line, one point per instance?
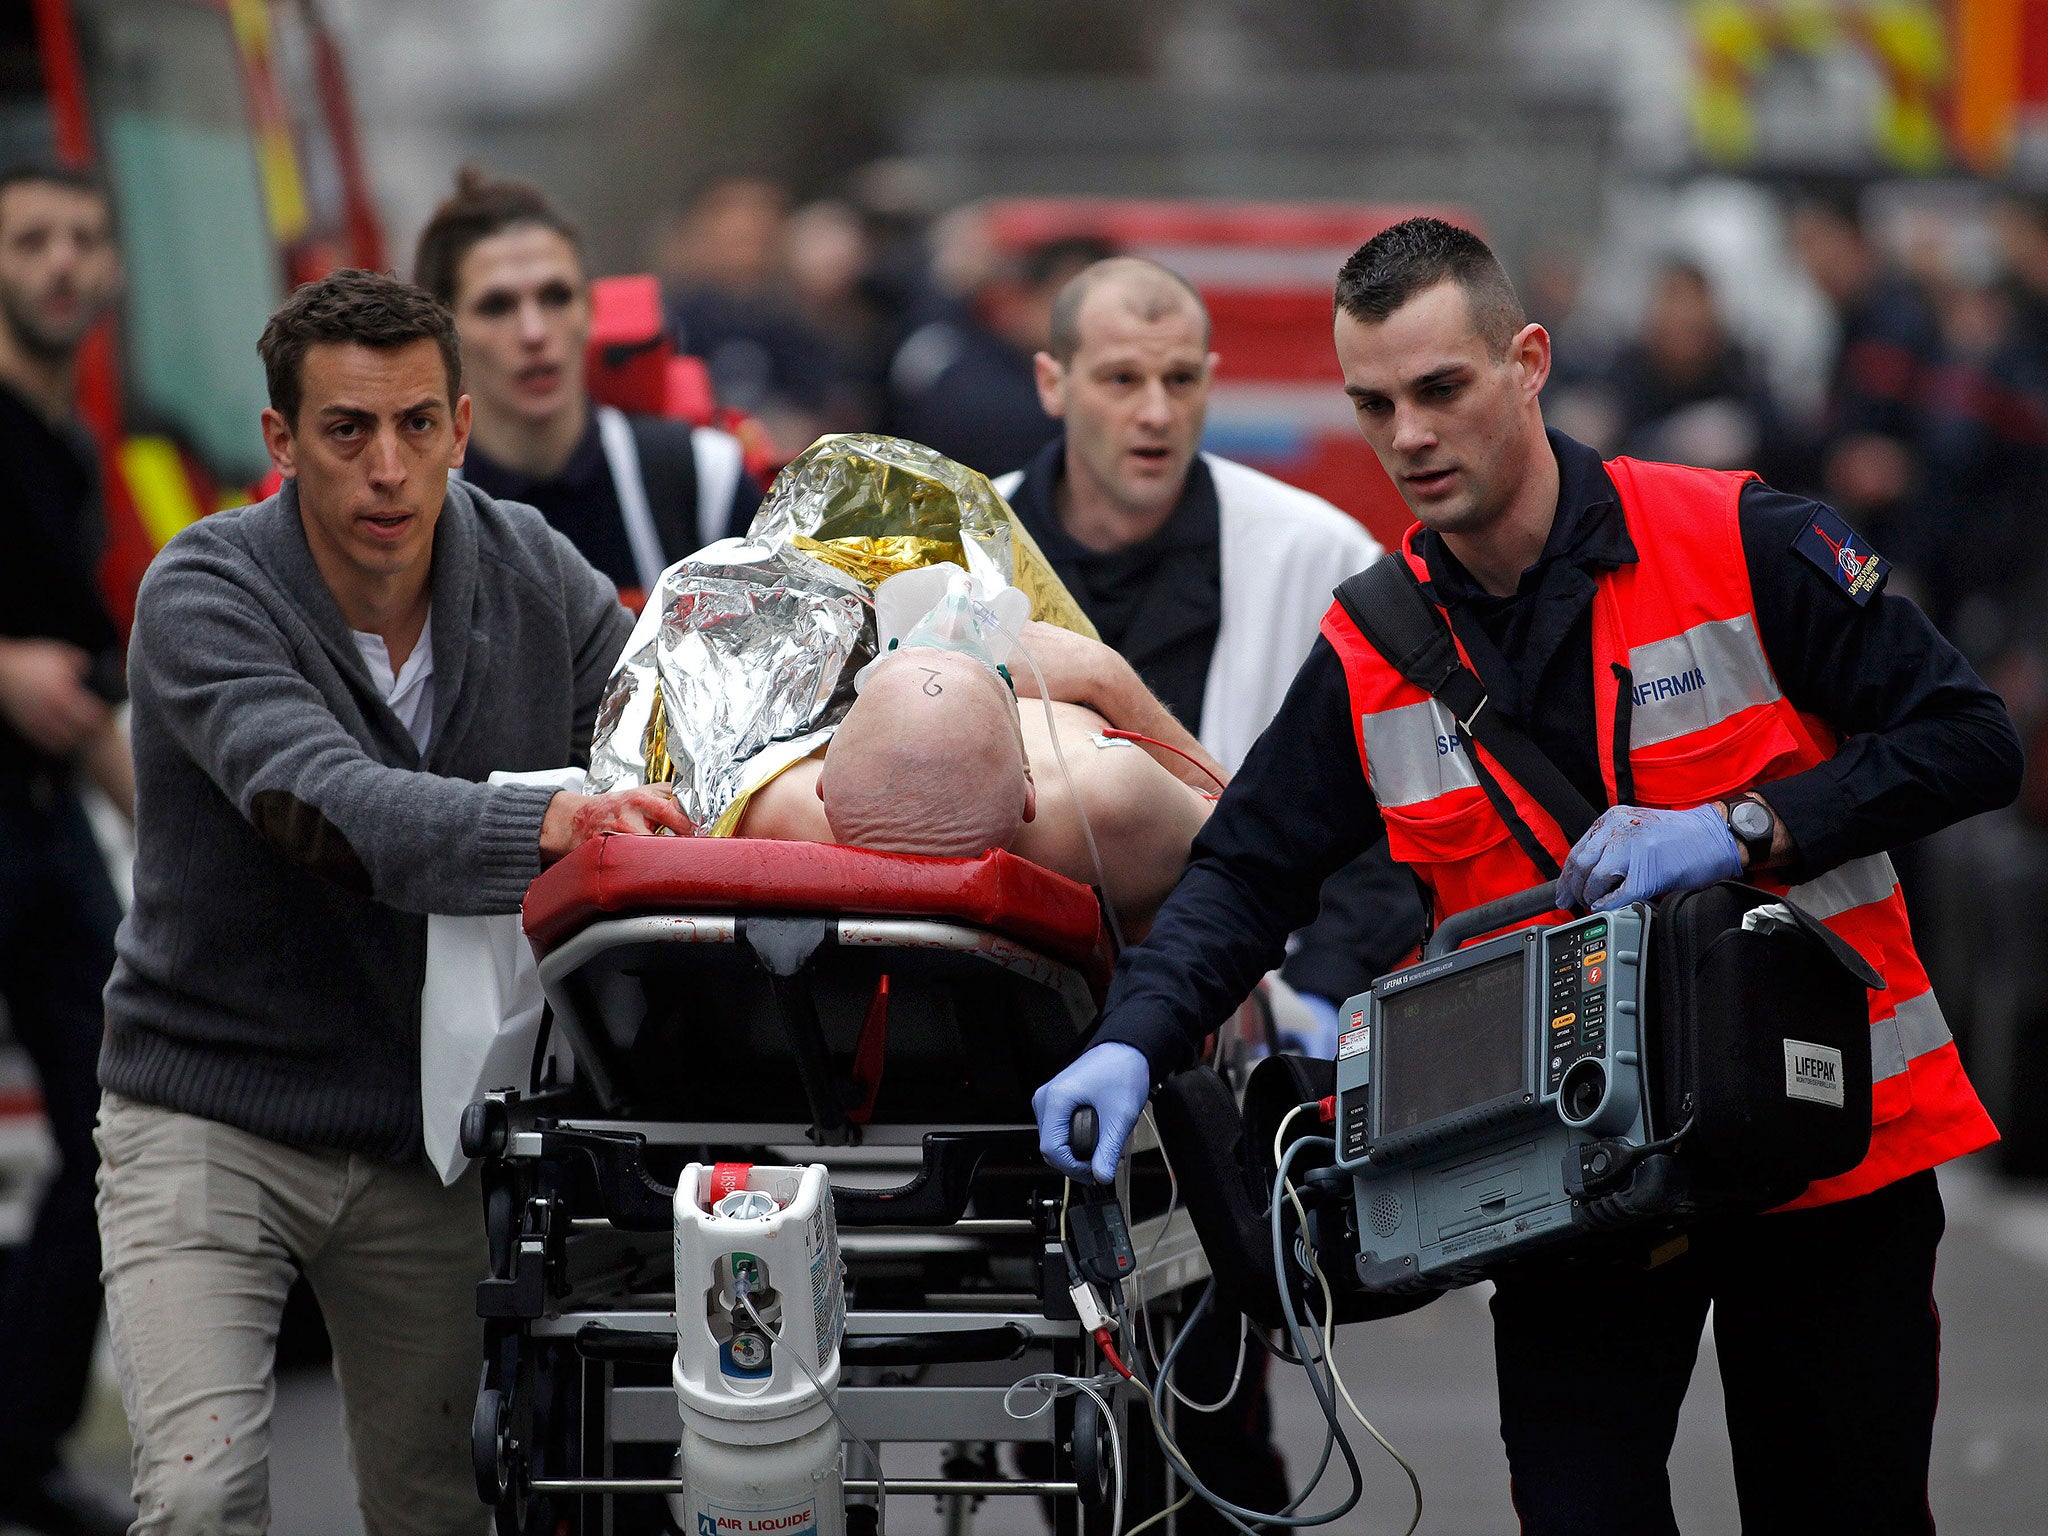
(1428, 1380)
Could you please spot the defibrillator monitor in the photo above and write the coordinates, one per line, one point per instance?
(1453, 1044)
(1465, 1083)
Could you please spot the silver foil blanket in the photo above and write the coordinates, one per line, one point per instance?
(740, 648)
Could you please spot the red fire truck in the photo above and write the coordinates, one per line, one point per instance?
(223, 131)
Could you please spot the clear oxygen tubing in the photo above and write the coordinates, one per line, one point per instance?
(1087, 832)
(742, 1292)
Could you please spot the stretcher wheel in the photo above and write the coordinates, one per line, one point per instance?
(486, 1128)
(499, 1462)
(1094, 1471)
(490, 1431)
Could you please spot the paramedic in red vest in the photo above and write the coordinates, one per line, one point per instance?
(1677, 642)
(634, 494)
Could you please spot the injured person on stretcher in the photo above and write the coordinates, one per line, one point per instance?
(751, 687)
(937, 757)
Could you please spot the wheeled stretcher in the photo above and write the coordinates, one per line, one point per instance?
(887, 1016)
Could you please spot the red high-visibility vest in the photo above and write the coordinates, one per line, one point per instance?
(1680, 674)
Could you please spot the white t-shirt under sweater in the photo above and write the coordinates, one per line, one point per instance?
(411, 693)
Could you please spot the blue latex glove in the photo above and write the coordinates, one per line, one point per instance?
(1319, 1044)
(1113, 1077)
(1633, 853)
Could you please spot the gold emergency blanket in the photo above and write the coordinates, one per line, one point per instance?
(743, 660)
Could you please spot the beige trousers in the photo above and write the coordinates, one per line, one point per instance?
(201, 1226)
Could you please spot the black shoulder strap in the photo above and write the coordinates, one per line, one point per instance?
(668, 469)
(1387, 604)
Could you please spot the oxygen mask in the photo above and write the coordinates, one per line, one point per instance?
(942, 607)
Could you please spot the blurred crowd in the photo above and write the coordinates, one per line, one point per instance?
(859, 314)
(866, 313)
(1931, 438)
(862, 313)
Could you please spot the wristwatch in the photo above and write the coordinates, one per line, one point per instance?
(1755, 826)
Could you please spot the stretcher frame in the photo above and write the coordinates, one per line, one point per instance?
(575, 1407)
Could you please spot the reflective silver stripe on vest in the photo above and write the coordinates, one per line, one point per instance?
(1917, 1028)
(1696, 679)
(1412, 754)
(1857, 883)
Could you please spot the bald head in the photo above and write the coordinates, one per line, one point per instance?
(929, 760)
(1126, 284)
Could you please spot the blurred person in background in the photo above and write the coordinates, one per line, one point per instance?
(1886, 339)
(1210, 578)
(61, 676)
(1975, 531)
(722, 260)
(633, 493)
(2019, 223)
(830, 261)
(963, 381)
(1576, 399)
(897, 198)
(1684, 391)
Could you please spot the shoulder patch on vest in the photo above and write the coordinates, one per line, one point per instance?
(1842, 555)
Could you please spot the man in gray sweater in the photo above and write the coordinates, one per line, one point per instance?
(321, 683)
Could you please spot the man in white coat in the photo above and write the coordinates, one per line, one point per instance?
(1208, 576)
(1211, 578)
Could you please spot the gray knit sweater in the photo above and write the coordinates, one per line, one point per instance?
(289, 838)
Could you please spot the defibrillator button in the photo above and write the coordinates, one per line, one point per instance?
(1564, 1020)
(1596, 957)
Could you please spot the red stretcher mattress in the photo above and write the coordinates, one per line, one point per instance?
(615, 874)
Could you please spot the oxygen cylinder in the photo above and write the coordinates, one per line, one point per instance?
(760, 1452)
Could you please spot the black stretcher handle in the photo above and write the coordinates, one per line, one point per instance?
(1082, 1132)
(1474, 921)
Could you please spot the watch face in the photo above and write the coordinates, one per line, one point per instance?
(1749, 819)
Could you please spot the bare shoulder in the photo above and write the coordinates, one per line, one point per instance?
(787, 808)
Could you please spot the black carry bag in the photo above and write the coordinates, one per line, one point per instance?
(1759, 1048)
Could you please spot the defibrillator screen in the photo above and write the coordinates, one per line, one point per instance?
(1451, 1044)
